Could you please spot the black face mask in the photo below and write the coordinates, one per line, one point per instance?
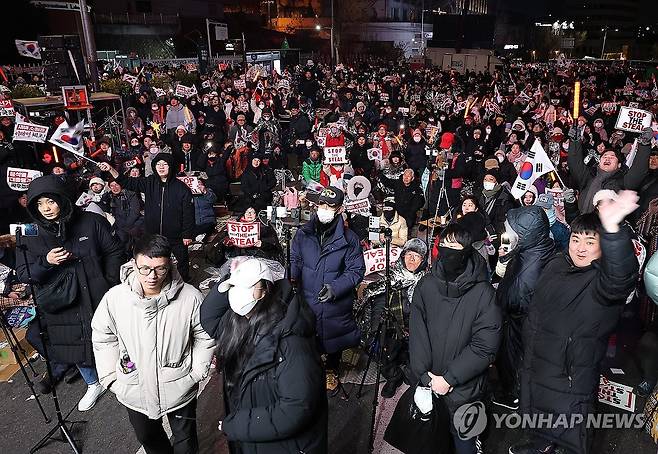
(454, 261)
(389, 215)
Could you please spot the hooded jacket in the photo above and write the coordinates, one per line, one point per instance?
(168, 206)
(573, 312)
(281, 405)
(97, 256)
(256, 185)
(162, 336)
(454, 330)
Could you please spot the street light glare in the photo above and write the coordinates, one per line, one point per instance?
(318, 28)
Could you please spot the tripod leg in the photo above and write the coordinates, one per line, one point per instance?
(365, 372)
(22, 351)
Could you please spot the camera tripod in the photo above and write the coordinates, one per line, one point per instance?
(61, 424)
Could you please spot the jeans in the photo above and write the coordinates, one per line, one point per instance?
(152, 435)
(89, 374)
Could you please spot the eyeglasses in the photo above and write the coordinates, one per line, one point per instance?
(159, 270)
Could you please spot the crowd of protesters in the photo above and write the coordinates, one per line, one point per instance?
(534, 283)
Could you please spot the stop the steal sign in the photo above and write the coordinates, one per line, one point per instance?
(244, 234)
(633, 120)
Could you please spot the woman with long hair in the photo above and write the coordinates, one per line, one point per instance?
(273, 378)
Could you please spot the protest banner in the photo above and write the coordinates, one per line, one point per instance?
(361, 206)
(608, 106)
(633, 120)
(19, 179)
(375, 259)
(616, 395)
(375, 154)
(185, 92)
(30, 132)
(335, 155)
(7, 108)
(159, 92)
(284, 84)
(383, 97)
(192, 183)
(132, 80)
(239, 84)
(243, 234)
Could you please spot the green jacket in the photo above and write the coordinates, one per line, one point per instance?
(311, 170)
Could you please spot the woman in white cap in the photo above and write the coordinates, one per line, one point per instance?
(273, 379)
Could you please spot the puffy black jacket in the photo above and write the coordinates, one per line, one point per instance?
(281, 401)
(415, 156)
(534, 250)
(572, 314)
(97, 256)
(168, 205)
(256, 185)
(454, 330)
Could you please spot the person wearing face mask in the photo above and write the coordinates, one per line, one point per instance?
(521, 262)
(326, 264)
(267, 246)
(611, 173)
(414, 154)
(216, 119)
(392, 220)
(577, 304)
(405, 274)
(559, 231)
(299, 128)
(454, 327)
(495, 200)
(151, 349)
(359, 157)
(273, 380)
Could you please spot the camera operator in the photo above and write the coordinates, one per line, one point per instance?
(73, 261)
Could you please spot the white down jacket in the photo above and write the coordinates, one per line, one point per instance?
(162, 336)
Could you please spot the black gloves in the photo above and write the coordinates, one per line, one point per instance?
(326, 294)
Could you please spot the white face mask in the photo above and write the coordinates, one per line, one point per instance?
(488, 131)
(242, 300)
(500, 158)
(488, 185)
(416, 139)
(325, 215)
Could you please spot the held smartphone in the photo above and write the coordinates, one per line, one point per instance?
(26, 229)
(505, 242)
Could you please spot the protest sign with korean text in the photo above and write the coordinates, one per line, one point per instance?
(7, 108)
(30, 132)
(361, 206)
(616, 394)
(633, 120)
(243, 234)
(19, 179)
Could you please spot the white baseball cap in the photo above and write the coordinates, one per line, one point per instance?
(240, 285)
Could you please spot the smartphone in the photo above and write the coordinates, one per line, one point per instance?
(25, 229)
(505, 242)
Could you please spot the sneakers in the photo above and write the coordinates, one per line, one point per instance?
(332, 380)
(531, 448)
(505, 400)
(94, 392)
(644, 388)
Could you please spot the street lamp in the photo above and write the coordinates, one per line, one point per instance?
(605, 37)
(318, 27)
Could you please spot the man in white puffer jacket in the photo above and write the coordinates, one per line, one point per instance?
(150, 348)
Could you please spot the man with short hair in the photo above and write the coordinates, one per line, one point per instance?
(150, 348)
(577, 304)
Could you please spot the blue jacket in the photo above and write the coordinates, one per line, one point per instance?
(339, 263)
(204, 213)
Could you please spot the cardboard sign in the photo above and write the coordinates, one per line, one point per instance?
(185, 92)
(361, 206)
(375, 154)
(376, 259)
(335, 155)
(243, 234)
(7, 108)
(29, 132)
(239, 84)
(616, 395)
(20, 179)
(192, 183)
(633, 120)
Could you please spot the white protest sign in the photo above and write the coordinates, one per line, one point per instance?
(205, 84)
(616, 395)
(284, 84)
(608, 106)
(361, 206)
(29, 132)
(192, 183)
(159, 92)
(376, 258)
(7, 108)
(334, 155)
(323, 132)
(239, 84)
(375, 154)
(633, 120)
(19, 179)
(185, 92)
(383, 97)
(243, 234)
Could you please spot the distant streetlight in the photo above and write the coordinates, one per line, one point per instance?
(318, 27)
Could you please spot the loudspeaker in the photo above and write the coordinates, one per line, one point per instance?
(56, 54)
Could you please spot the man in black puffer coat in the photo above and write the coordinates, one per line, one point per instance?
(454, 326)
(533, 247)
(578, 301)
(168, 206)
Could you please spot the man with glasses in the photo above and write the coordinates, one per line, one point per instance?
(150, 348)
